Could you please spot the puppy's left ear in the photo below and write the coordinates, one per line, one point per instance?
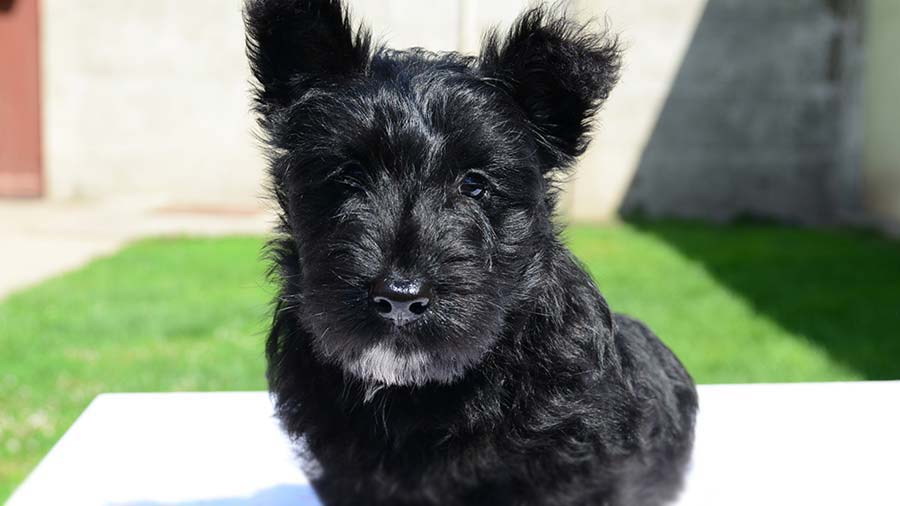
(559, 73)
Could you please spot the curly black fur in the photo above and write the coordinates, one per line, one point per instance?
(518, 386)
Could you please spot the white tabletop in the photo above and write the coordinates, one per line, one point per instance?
(797, 444)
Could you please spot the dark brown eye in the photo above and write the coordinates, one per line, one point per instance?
(474, 186)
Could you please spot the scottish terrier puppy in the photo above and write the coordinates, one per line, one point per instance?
(434, 342)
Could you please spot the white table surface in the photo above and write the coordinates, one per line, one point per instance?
(798, 444)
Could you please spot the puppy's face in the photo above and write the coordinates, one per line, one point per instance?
(414, 201)
(414, 185)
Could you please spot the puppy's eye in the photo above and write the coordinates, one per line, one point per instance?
(474, 185)
(351, 174)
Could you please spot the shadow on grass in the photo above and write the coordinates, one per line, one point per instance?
(839, 289)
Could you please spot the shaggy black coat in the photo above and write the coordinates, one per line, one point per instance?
(518, 386)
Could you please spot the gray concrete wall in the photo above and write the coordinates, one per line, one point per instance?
(759, 120)
(725, 107)
(655, 35)
(148, 99)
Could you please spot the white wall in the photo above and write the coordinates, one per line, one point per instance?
(655, 35)
(147, 98)
(881, 163)
(443, 25)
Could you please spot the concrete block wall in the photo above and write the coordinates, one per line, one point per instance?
(756, 118)
(881, 164)
(655, 35)
(725, 107)
(148, 99)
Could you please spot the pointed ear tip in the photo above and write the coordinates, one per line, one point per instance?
(293, 45)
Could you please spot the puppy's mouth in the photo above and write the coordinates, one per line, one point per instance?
(400, 338)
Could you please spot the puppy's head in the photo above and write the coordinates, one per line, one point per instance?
(417, 187)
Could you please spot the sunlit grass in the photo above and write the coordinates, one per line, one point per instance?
(161, 315)
(738, 304)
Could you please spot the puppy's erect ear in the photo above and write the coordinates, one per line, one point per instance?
(294, 45)
(559, 73)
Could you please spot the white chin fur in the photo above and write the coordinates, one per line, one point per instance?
(382, 363)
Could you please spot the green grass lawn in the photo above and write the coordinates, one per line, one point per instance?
(738, 304)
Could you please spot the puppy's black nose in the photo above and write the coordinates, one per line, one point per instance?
(400, 300)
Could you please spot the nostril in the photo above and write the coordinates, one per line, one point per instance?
(382, 305)
(419, 306)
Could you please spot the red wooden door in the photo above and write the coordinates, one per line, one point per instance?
(20, 127)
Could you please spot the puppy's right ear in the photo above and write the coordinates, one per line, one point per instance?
(294, 45)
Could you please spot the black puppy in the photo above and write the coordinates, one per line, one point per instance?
(434, 342)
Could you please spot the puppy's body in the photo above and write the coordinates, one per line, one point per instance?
(434, 342)
(562, 412)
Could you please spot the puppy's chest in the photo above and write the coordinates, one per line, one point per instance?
(475, 472)
(456, 466)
